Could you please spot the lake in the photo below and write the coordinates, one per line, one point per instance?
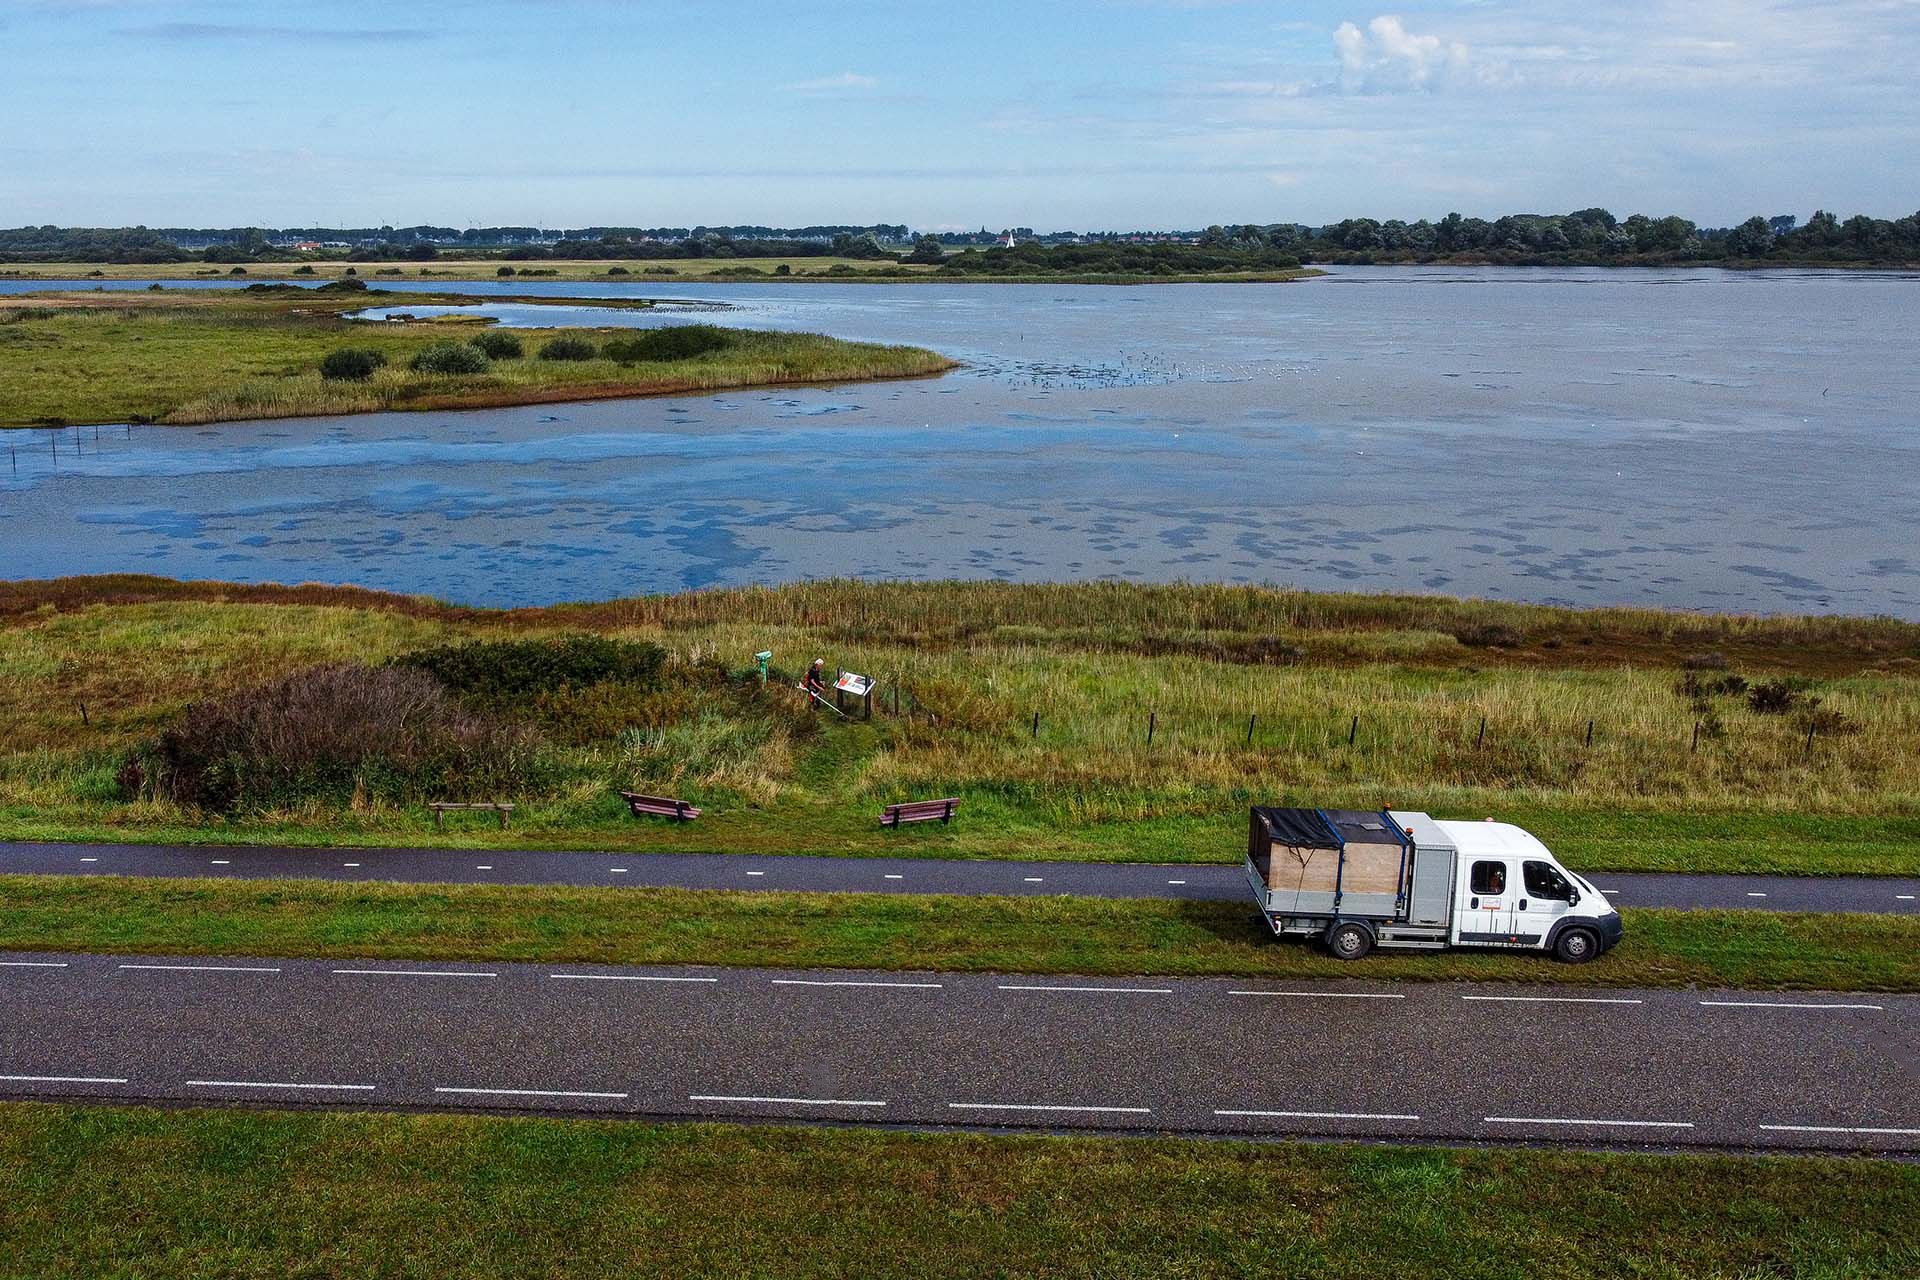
(1691, 438)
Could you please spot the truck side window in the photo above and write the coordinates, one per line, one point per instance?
(1490, 878)
(1544, 882)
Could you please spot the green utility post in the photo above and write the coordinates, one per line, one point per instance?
(763, 658)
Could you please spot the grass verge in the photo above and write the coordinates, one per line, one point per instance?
(135, 1192)
(1663, 948)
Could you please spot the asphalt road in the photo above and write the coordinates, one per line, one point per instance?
(870, 875)
(1414, 1062)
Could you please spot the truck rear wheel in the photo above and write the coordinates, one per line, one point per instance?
(1349, 941)
(1576, 946)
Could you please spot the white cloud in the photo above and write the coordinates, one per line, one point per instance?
(845, 82)
(1387, 57)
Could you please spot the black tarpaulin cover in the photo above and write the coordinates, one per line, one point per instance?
(1302, 828)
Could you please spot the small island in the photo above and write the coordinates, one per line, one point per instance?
(182, 357)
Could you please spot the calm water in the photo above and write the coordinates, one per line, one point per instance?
(1690, 438)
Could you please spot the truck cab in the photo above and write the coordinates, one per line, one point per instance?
(1511, 892)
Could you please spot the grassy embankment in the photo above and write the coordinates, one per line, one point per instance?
(137, 1192)
(1094, 661)
(211, 356)
(637, 271)
(1737, 949)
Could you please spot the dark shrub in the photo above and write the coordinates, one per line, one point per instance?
(783, 270)
(383, 271)
(1776, 697)
(678, 342)
(1488, 635)
(351, 364)
(618, 271)
(238, 271)
(569, 348)
(303, 271)
(505, 674)
(355, 285)
(499, 346)
(339, 732)
(1729, 686)
(504, 271)
(450, 357)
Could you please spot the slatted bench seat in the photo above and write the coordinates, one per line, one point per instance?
(659, 807)
(895, 815)
(441, 807)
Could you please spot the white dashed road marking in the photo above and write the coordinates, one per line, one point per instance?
(414, 973)
(1555, 999)
(1612, 1124)
(203, 968)
(33, 964)
(1032, 1106)
(626, 977)
(818, 982)
(786, 1102)
(1327, 995)
(1780, 1004)
(1135, 991)
(67, 1079)
(530, 1093)
(272, 1084)
(1317, 1115)
(1835, 1128)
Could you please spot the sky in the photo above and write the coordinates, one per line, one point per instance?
(1104, 114)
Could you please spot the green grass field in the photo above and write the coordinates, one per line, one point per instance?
(210, 356)
(192, 1195)
(540, 923)
(978, 661)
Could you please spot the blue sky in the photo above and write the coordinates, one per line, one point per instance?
(1115, 114)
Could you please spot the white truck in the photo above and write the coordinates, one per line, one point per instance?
(1397, 878)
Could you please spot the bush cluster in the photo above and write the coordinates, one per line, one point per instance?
(499, 346)
(450, 357)
(569, 348)
(341, 732)
(677, 342)
(351, 364)
(1489, 635)
(503, 674)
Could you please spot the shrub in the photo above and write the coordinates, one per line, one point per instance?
(343, 286)
(1488, 635)
(677, 342)
(383, 271)
(569, 348)
(618, 271)
(238, 271)
(661, 271)
(499, 346)
(450, 357)
(1776, 697)
(339, 732)
(351, 364)
(783, 270)
(506, 673)
(303, 271)
(504, 271)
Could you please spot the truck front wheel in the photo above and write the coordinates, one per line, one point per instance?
(1349, 941)
(1576, 946)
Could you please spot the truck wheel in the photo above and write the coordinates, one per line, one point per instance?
(1576, 946)
(1349, 941)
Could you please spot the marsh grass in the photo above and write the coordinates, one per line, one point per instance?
(215, 357)
(1088, 783)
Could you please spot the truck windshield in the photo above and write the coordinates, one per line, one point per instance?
(1544, 881)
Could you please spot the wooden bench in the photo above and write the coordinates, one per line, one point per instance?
(895, 815)
(659, 806)
(440, 808)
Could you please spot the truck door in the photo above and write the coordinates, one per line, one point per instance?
(1545, 896)
(1484, 911)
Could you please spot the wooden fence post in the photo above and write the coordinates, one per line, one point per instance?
(1589, 733)
(1353, 730)
(1696, 736)
(1482, 735)
(1153, 718)
(1250, 720)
